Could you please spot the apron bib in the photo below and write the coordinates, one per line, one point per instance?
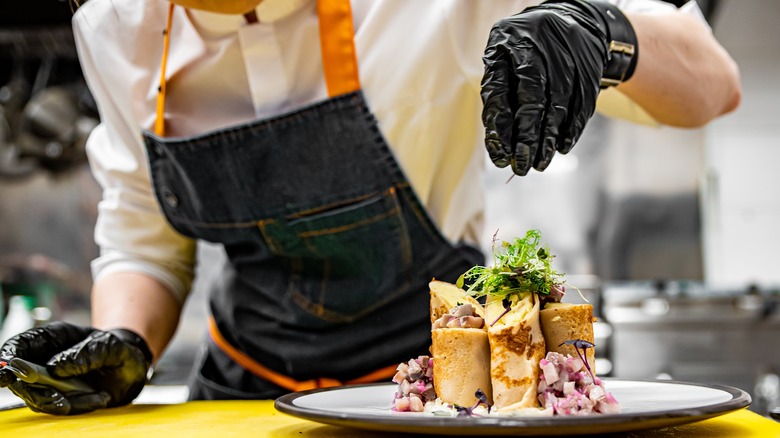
(329, 249)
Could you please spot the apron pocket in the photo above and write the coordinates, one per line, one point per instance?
(346, 259)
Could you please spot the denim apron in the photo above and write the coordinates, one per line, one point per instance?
(329, 250)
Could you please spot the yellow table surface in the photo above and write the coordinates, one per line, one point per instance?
(214, 419)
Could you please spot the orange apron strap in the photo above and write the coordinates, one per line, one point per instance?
(286, 382)
(337, 43)
(253, 366)
(385, 373)
(159, 121)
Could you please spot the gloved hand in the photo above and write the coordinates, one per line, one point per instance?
(543, 70)
(113, 363)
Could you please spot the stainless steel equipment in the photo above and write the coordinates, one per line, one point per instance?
(47, 197)
(693, 332)
(46, 110)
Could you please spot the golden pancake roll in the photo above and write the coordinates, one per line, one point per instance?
(564, 322)
(461, 356)
(461, 365)
(516, 348)
(445, 296)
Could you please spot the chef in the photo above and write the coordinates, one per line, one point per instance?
(334, 149)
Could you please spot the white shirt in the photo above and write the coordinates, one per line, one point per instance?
(420, 65)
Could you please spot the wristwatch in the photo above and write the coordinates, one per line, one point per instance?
(623, 47)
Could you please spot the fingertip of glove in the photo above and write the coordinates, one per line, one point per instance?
(546, 153)
(543, 165)
(565, 145)
(521, 160)
(495, 152)
(101, 399)
(6, 378)
(520, 169)
(89, 402)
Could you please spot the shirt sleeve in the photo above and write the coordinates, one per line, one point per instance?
(611, 101)
(131, 231)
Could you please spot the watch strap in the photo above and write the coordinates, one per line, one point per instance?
(622, 47)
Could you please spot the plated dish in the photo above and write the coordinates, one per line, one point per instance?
(644, 405)
(509, 357)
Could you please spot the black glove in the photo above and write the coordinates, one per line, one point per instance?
(543, 70)
(113, 363)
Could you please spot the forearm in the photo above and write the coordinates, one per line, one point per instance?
(683, 76)
(139, 303)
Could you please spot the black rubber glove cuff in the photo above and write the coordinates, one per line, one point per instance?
(622, 45)
(135, 340)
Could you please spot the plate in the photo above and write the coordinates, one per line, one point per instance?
(644, 405)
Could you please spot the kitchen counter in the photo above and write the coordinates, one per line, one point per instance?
(259, 418)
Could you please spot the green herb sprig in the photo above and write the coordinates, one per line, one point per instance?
(524, 265)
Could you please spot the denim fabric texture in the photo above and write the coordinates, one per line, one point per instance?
(330, 251)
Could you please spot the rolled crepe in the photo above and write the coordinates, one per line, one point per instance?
(445, 296)
(461, 364)
(516, 347)
(563, 322)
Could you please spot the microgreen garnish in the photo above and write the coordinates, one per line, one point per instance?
(580, 343)
(464, 411)
(507, 307)
(481, 399)
(521, 266)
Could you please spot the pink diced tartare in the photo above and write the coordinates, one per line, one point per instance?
(415, 385)
(568, 387)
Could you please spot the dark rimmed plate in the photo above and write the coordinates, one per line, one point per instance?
(644, 405)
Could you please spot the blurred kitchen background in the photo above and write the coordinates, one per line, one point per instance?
(671, 234)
